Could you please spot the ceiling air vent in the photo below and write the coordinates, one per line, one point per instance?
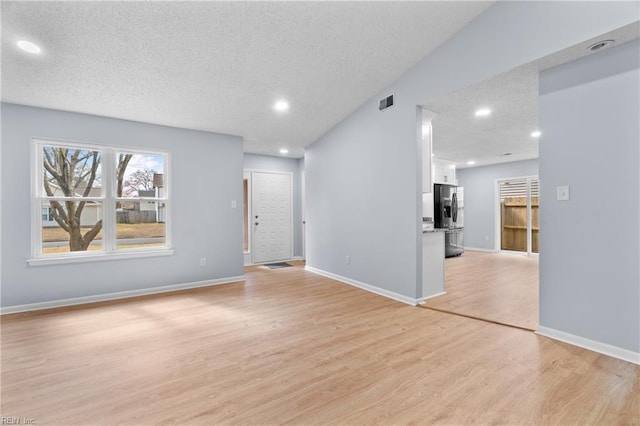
(386, 102)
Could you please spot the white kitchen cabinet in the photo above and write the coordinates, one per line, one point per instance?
(438, 173)
(443, 172)
(449, 175)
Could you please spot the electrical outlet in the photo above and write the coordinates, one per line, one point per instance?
(347, 260)
(203, 261)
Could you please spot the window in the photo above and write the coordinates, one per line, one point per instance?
(46, 214)
(519, 224)
(95, 202)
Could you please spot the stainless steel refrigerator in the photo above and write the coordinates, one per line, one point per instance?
(446, 209)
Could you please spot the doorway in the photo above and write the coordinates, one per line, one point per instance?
(268, 216)
(519, 223)
(501, 285)
(487, 130)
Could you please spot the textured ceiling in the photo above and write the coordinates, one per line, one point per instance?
(220, 66)
(459, 136)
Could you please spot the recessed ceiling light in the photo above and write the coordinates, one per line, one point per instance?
(600, 45)
(483, 112)
(284, 151)
(281, 105)
(471, 162)
(536, 134)
(28, 46)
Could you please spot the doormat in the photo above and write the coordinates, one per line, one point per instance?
(277, 265)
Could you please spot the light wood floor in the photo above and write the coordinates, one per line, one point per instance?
(291, 347)
(493, 286)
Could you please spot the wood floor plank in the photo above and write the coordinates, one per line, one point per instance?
(291, 347)
(496, 287)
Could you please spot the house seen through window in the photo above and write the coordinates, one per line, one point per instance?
(93, 200)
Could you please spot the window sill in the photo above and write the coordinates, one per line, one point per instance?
(52, 260)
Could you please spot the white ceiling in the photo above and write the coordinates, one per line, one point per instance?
(220, 66)
(459, 136)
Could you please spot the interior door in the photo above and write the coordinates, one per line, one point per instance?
(271, 216)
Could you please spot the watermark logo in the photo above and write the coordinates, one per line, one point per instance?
(6, 420)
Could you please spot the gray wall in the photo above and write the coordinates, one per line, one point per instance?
(282, 164)
(364, 176)
(480, 199)
(206, 174)
(589, 245)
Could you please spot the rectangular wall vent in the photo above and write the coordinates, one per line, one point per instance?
(386, 102)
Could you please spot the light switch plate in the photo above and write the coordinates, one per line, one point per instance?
(562, 193)
(234, 204)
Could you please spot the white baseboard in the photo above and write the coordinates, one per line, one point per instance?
(424, 299)
(480, 249)
(297, 258)
(115, 296)
(592, 345)
(364, 286)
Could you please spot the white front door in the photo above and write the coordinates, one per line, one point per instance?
(271, 216)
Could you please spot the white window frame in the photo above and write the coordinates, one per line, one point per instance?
(107, 198)
(498, 230)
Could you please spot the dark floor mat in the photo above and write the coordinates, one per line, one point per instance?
(278, 265)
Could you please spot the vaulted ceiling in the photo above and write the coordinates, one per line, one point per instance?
(220, 66)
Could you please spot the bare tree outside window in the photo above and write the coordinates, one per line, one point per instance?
(98, 200)
(71, 173)
(140, 180)
(76, 173)
(123, 162)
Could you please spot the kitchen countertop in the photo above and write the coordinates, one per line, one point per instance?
(429, 230)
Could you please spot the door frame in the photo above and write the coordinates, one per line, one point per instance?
(497, 224)
(248, 257)
(246, 174)
(303, 224)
